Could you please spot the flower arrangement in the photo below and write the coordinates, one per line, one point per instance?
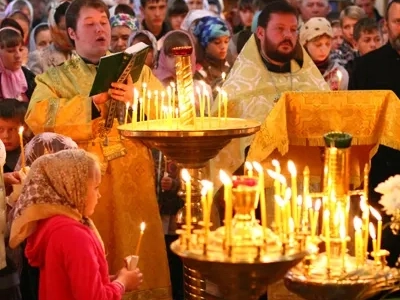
(390, 190)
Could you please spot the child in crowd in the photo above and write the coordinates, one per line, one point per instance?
(316, 37)
(12, 114)
(367, 36)
(56, 219)
(337, 39)
(176, 13)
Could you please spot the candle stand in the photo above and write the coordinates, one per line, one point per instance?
(334, 274)
(243, 265)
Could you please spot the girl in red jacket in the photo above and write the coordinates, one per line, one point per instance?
(52, 213)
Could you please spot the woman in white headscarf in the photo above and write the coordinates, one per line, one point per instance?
(39, 37)
(20, 5)
(148, 38)
(61, 48)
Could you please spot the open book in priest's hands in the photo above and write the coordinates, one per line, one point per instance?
(117, 66)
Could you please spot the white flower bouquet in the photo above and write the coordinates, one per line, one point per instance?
(390, 190)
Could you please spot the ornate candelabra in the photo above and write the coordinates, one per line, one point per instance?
(334, 273)
(242, 257)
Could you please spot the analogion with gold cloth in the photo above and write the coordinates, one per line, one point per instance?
(294, 128)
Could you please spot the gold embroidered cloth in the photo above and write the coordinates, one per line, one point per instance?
(61, 104)
(295, 127)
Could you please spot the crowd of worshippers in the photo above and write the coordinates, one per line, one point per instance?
(301, 45)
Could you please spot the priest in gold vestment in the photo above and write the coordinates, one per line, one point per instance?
(270, 63)
(61, 104)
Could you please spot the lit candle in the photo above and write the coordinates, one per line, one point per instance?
(21, 144)
(177, 117)
(299, 206)
(148, 105)
(144, 89)
(141, 112)
(261, 183)
(201, 104)
(293, 177)
(127, 104)
(378, 217)
(358, 247)
(142, 228)
(157, 104)
(219, 90)
(188, 189)
(228, 206)
(327, 239)
(223, 76)
(365, 218)
(314, 220)
(210, 192)
(343, 238)
(204, 202)
(366, 181)
(281, 216)
(373, 237)
(310, 210)
(306, 192)
(225, 100)
(162, 102)
(249, 167)
(208, 101)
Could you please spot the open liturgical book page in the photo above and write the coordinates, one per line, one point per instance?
(116, 67)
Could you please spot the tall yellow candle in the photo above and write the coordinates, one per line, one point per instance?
(314, 220)
(261, 184)
(208, 99)
(327, 238)
(343, 238)
(299, 207)
(373, 237)
(142, 228)
(148, 105)
(204, 203)
(162, 102)
(157, 104)
(188, 189)
(366, 181)
(293, 178)
(219, 90)
(21, 145)
(201, 104)
(225, 100)
(226, 180)
(306, 192)
(358, 247)
(378, 217)
(365, 220)
(141, 111)
(144, 90)
(127, 104)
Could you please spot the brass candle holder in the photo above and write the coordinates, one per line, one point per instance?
(334, 274)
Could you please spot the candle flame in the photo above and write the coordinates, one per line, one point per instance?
(279, 200)
(169, 90)
(162, 94)
(185, 175)
(223, 75)
(363, 205)
(144, 85)
(206, 184)
(292, 168)
(339, 75)
(204, 190)
(372, 231)
(149, 94)
(317, 205)
(272, 174)
(257, 166)
(173, 84)
(21, 130)
(142, 227)
(248, 166)
(309, 202)
(357, 223)
(135, 93)
(127, 105)
(198, 91)
(326, 214)
(156, 92)
(225, 179)
(299, 200)
(375, 213)
(276, 164)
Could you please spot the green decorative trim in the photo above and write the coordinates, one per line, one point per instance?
(337, 139)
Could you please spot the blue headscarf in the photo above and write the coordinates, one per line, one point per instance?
(209, 28)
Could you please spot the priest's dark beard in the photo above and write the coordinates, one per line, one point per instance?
(271, 51)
